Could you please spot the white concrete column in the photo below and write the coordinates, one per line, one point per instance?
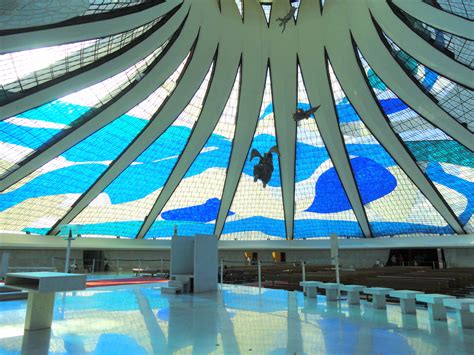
(311, 292)
(465, 319)
(39, 310)
(353, 298)
(437, 311)
(408, 306)
(331, 295)
(379, 301)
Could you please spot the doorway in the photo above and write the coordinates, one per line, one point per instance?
(417, 257)
(279, 256)
(251, 257)
(93, 260)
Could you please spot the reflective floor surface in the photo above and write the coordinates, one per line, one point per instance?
(237, 319)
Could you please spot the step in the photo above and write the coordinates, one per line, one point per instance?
(170, 289)
(14, 295)
(176, 283)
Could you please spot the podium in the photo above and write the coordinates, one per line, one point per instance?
(193, 264)
(42, 287)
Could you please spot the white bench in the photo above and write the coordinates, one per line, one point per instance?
(331, 290)
(42, 287)
(436, 308)
(464, 317)
(353, 293)
(407, 300)
(310, 288)
(378, 295)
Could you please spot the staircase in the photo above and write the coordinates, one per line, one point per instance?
(175, 286)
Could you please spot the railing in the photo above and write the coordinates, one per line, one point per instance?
(255, 269)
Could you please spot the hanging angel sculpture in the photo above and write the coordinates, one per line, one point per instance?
(264, 169)
(301, 114)
(284, 20)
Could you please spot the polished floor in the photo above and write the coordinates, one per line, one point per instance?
(237, 319)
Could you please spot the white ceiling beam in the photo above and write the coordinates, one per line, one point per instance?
(317, 83)
(284, 76)
(389, 70)
(345, 64)
(252, 85)
(97, 73)
(155, 78)
(57, 35)
(164, 118)
(437, 18)
(416, 46)
(220, 88)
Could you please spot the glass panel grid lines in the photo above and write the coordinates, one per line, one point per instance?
(38, 201)
(455, 99)
(257, 212)
(458, 48)
(393, 204)
(25, 133)
(121, 208)
(463, 8)
(27, 69)
(447, 163)
(321, 204)
(194, 205)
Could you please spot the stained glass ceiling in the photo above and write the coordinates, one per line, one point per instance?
(132, 118)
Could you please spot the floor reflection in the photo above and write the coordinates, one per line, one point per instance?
(139, 320)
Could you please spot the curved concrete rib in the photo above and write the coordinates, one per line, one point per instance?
(220, 88)
(388, 69)
(252, 85)
(416, 46)
(283, 78)
(345, 64)
(193, 76)
(81, 32)
(95, 74)
(187, 86)
(437, 18)
(313, 64)
(156, 77)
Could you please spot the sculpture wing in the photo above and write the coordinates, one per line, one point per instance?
(254, 153)
(274, 149)
(299, 115)
(312, 110)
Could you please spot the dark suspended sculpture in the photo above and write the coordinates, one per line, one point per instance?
(301, 114)
(264, 169)
(284, 20)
